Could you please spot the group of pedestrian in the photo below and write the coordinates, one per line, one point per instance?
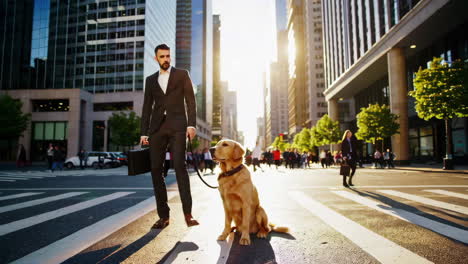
(55, 157)
(382, 160)
(201, 159)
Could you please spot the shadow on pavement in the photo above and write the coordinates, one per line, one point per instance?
(184, 246)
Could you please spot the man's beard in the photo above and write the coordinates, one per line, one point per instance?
(165, 66)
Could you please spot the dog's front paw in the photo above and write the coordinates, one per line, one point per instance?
(222, 237)
(262, 234)
(245, 240)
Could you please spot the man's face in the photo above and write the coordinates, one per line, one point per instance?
(164, 59)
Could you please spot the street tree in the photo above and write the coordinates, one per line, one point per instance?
(441, 91)
(376, 122)
(13, 121)
(326, 132)
(125, 128)
(278, 143)
(304, 142)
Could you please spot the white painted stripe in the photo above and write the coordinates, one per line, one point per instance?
(377, 246)
(204, 236)
(80, 188)
(38, 201)
(73, 244)
(21, 177)
(37, 219)
(443, 229)
(419, 199)
(453, 194)
(12, 178)
(7, 180)
(2, 198)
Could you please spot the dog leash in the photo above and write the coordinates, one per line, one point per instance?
(196, 167)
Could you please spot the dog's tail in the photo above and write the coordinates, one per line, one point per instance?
(279, 229)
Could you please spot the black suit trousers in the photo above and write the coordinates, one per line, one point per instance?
(159, 141)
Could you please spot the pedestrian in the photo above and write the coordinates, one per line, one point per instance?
(378, 159)
(100, 160)
(277, 157)
(50, 156)
(349, 152)
(57, 159)
(389, 157)
(21, 157)
(169, 116)
(323, 158)
(82, 156)
(256, 156)
(167, 163)
(208, 160)
(286, 158)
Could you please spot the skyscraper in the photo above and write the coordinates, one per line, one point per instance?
(372, 50)
(217, 85)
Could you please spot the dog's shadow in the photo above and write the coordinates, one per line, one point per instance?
(259, 251)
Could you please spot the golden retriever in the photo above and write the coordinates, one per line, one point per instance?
(239, 195)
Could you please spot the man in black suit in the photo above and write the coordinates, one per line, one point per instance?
(166, 121)
(349, 153)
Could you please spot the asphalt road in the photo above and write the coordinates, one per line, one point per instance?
(104, 216)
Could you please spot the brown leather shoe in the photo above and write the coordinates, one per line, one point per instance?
(190, 220)
(161, 223)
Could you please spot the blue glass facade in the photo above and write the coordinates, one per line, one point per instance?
(40, 30)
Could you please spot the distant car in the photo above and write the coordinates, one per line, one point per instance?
(110, 160)
(121, 157)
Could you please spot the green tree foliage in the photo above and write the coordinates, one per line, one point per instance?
(195, 143)
(325, 132)
(296, 140)
(304, 142)
(441, 91)
(277, 143)
(125, 128)
(13, 121)
(376, 122)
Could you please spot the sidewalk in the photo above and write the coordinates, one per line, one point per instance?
(462, 169)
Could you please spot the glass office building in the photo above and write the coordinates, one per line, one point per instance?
(98, 46)
(372, 50)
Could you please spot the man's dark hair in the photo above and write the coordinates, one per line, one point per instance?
(161, 47)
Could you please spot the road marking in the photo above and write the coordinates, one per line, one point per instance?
(384, 250)
(73, 244)
(21, 177)
(7, 180)
(2, 198)
(37, 219)
(38, 201)
(453, 194)
(443, 229)
(13, 178)
(81, 188)
(204, 236)
(419, 199)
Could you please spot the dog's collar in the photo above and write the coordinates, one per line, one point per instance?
(231, 172)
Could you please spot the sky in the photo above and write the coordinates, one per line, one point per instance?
(248, 46)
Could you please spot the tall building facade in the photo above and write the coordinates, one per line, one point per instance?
(195, 48)
(217, 85)
(276, 88)
(298, 105)
(229, 113)
(82, 61)
(315, 80)
(372, 50)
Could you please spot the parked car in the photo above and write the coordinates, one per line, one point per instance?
(121, 157)
(110, 160)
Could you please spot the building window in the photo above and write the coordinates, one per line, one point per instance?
(59, 105)
(50, 130)
(114, 106)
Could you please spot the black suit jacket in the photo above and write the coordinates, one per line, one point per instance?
(345, 150)
(178, 93)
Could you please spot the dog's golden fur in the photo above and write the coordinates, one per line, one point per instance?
(239, 195)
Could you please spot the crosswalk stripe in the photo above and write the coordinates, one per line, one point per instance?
(205, 237)
(7, 180)
(384, 250)
(38, 201)
(446, 230)
(71, 245)
(13, 196)
(419, 199)
(13, 178)
(453, 194)
(21, 177)
(37, 219)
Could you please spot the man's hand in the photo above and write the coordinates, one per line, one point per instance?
(191, 132)
(144, 140)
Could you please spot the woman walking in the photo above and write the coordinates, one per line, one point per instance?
(349, 153)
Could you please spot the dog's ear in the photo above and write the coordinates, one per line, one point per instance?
(238, 152)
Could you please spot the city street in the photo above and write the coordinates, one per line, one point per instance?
(104, 216)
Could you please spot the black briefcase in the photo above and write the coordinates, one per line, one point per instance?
(345, 169)
(139, 161)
